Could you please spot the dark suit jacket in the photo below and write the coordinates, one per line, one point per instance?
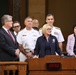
(7, 46)
(40, 46)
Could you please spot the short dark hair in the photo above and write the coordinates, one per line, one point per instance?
(49, 15)
(16, 22)
(74, 26)
(27, 18)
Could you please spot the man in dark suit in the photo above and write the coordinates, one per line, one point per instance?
(9, 49)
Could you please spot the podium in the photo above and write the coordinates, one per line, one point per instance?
(37, 66)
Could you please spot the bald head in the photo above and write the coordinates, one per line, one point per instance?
(35, 23)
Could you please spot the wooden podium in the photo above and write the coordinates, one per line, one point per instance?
(37, 66)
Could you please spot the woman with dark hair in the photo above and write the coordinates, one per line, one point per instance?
(71, 43)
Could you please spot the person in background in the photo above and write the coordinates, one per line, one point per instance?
(27, 40)
(16, 27)
(56, 31)
(9, 48)
(71, 43)
(35, 24)
(46, 44)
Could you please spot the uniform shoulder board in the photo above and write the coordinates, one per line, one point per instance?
(57, 27)
(40, 28)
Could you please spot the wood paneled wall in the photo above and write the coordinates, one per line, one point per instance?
(36, 9)
(64, 12)
(18, 9)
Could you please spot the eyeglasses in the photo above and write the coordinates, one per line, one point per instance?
(16, 26)
(49, 28)
(9, 21)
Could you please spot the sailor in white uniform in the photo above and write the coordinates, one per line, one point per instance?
(27, 40)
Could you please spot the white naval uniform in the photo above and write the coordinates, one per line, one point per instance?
(57, 33)
(27, 38)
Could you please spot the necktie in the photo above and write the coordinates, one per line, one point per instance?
(11, 36)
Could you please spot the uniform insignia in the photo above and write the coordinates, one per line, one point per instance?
(55, 33)
(34, 35)
(40, 28)
(57, 28)
(24, 35)
(53, 40)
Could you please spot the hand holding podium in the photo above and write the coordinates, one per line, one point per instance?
(35, 56)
